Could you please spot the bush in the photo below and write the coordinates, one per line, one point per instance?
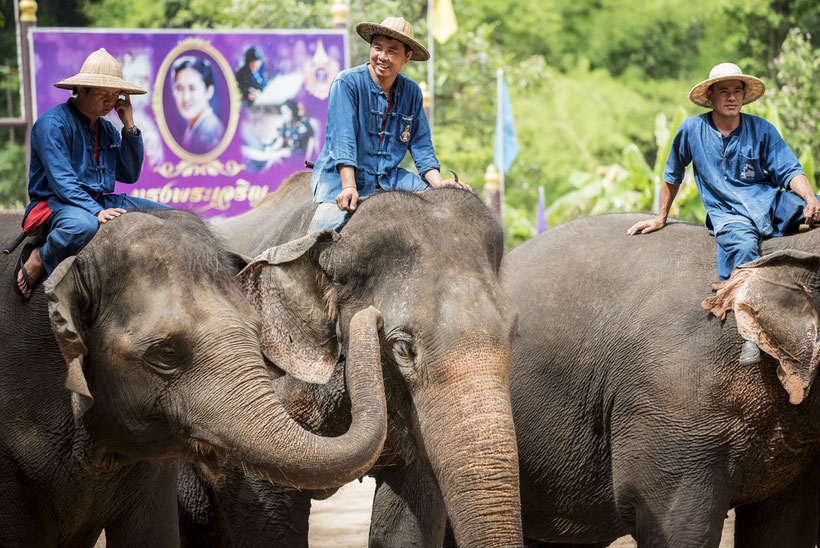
(12, 176)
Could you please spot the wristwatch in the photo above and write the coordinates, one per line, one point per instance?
(134, 130)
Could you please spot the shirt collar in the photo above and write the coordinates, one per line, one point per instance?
(734, 132)
(85, 121)
(377, 88)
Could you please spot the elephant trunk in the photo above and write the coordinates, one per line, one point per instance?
(273, 445)
(474, 454)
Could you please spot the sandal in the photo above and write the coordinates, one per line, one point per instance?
(21, 262)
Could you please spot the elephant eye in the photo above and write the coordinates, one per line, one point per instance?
(164, 356)
(403, 352)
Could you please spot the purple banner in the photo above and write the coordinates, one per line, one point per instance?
(228, 115)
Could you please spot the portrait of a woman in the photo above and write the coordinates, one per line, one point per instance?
(193, 91)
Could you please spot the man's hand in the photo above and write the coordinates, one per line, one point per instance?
(812, 211)
(348, 199)
(110, 213)
(453, 183)
(124, 111)
(645, 227)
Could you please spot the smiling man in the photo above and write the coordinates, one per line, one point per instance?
(374, 116)
(742, 167)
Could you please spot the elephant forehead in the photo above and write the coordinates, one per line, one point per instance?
(450, 296)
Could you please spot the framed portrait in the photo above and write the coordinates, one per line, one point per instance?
(196, 101)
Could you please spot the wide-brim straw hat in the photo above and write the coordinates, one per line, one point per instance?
(755, 88)
(398, 29)
(100, 70)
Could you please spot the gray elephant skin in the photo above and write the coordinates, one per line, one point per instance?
(429, 262)
(632, 413)
(136, 353)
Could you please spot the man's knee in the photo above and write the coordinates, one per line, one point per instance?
(328, 215)
(75, 230)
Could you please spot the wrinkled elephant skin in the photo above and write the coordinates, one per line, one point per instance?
(429, 262)
(632, 413)
(137, 352)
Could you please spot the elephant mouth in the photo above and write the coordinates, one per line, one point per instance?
(214, 458)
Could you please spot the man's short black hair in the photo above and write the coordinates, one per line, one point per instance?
(406, 47)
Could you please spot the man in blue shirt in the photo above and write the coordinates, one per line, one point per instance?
(743, 171)
(374, 116)
(76, 156)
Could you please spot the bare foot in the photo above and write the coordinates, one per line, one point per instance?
(35, 269)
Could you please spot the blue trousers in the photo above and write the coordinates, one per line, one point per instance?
(70, 227)
(328, 215)
(739, 242)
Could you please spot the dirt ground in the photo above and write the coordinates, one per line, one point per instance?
(342, 521)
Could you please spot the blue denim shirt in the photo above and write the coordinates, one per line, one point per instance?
(740, 183)
(63, 169)
(355, 112)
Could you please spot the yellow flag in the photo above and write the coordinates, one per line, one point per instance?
(444, 20)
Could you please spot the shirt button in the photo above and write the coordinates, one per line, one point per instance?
(725, 177)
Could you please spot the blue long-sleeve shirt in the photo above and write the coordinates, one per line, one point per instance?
(63, 169)
(355, 112)
(738, 182)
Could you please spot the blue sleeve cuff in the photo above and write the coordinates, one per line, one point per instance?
(341, 162)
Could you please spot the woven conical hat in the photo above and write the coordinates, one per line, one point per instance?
(398, 29)
(755, 88)
(100, 70)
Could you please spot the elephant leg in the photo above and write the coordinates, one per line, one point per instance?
(200, 522)
(530, 543)
(19, 523)
(260, 513)
(691, 515)
(789, 520)
(149, 515)
(408, 509)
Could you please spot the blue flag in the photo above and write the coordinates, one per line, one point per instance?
(540, 214)
(504, 118)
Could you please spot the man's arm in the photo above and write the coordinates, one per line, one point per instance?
(131, 154)
(668, 193)
(348, 198)
(802, 187)
(49, 140)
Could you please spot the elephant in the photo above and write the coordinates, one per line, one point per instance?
(632, 412)
(429, 262)
(138, 353)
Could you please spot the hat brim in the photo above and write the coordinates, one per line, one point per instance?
(755, 88)
(367, 30)
(100, 81)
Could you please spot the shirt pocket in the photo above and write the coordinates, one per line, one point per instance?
(403, 129)
(748, 169)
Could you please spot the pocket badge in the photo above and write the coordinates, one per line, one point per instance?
(405, 135)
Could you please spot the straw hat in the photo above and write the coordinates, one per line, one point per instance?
(727, 71)
(398, 29)
(100, 70)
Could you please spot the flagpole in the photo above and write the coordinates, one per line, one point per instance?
(499, 131)
(431, 86)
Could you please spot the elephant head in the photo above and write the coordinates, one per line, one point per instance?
(430, 263)
(776, 300)
(164, 358)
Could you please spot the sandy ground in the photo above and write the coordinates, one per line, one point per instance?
(342, 521)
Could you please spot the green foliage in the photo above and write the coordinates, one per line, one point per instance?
(12, 176)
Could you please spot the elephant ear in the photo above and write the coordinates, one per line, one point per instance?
(288, 287)
(776, 300)
(65, 295)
